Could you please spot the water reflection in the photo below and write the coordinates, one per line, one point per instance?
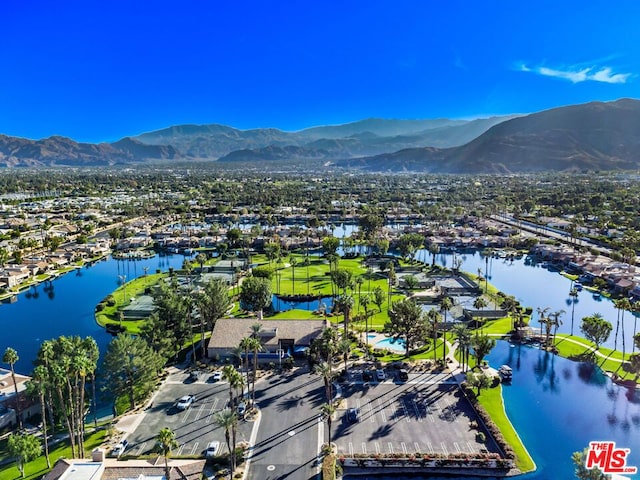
(535, 286)
(558, 406)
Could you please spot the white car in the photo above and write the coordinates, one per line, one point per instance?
(380, 375)
(216, 377)
(212, 449)
(185, 402)
(119, 449)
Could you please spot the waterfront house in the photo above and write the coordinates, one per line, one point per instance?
(8, 399)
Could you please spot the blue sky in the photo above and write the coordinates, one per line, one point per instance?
(101, 70)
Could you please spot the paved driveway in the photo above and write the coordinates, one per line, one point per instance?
(418, 416)
(194, 427)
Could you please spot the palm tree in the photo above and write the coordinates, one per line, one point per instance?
(434, 317)
(434, 249)
(344, 304)
(228, 420)
(479, 303)
(255, 345)
(463, 335)
(327, 411)
(231, 375)
(245, 346)
(556, 322)
(326, 371)
(306, 262)
(39, 383)
(166, 441)
(365, 301)
(293, 262)
(542, 313)
(344, 347)
(10, 357)
(573, 293)
(445, 305)
(482, 345)
(623, 304)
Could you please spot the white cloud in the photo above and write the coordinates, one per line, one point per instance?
(577, 75)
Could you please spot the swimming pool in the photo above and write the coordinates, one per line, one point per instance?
(391, 344)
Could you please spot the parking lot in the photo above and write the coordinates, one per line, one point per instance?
(195, 426)
(418, 416)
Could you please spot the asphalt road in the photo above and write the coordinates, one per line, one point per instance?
(289, 437)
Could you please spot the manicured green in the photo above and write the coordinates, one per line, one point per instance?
(38, 467)
(611, 361)
(491, 400)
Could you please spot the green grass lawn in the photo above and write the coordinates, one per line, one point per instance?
(38, 467)
(611, 362)
(491, 400)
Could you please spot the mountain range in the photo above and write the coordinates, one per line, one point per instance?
(591, 136)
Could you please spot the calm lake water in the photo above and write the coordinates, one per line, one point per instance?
(535, 286)
(66, 306)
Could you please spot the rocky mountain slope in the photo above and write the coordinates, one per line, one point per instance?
(592, 136)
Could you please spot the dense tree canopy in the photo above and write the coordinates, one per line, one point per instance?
(131, 368)
(596, 329)
(407, 322)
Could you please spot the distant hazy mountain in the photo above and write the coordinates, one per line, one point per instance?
(366, 137)
(57, 150)
(592, 136)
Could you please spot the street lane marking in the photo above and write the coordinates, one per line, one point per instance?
(185, 416)
(377, 447)
(194, 449)
(180, 449)
(211, 411)
(428, 410)
(390, 445)
(416, 445)
(471, 450)
(320, 443)
(350, 449)
(200, 410)
(405, 411)
(364, 448)
(384, 417)
(457, 447)
(404, 447)
(430, 447)
(444, 448)
(416, 408)
(372, 414)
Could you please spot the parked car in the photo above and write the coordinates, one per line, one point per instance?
(353, 414)
(403, 375)
(212, 449)
(185, 402)
(119, 449)
(195, 375)
(216, 377)
(380, 375)
(242, 409)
